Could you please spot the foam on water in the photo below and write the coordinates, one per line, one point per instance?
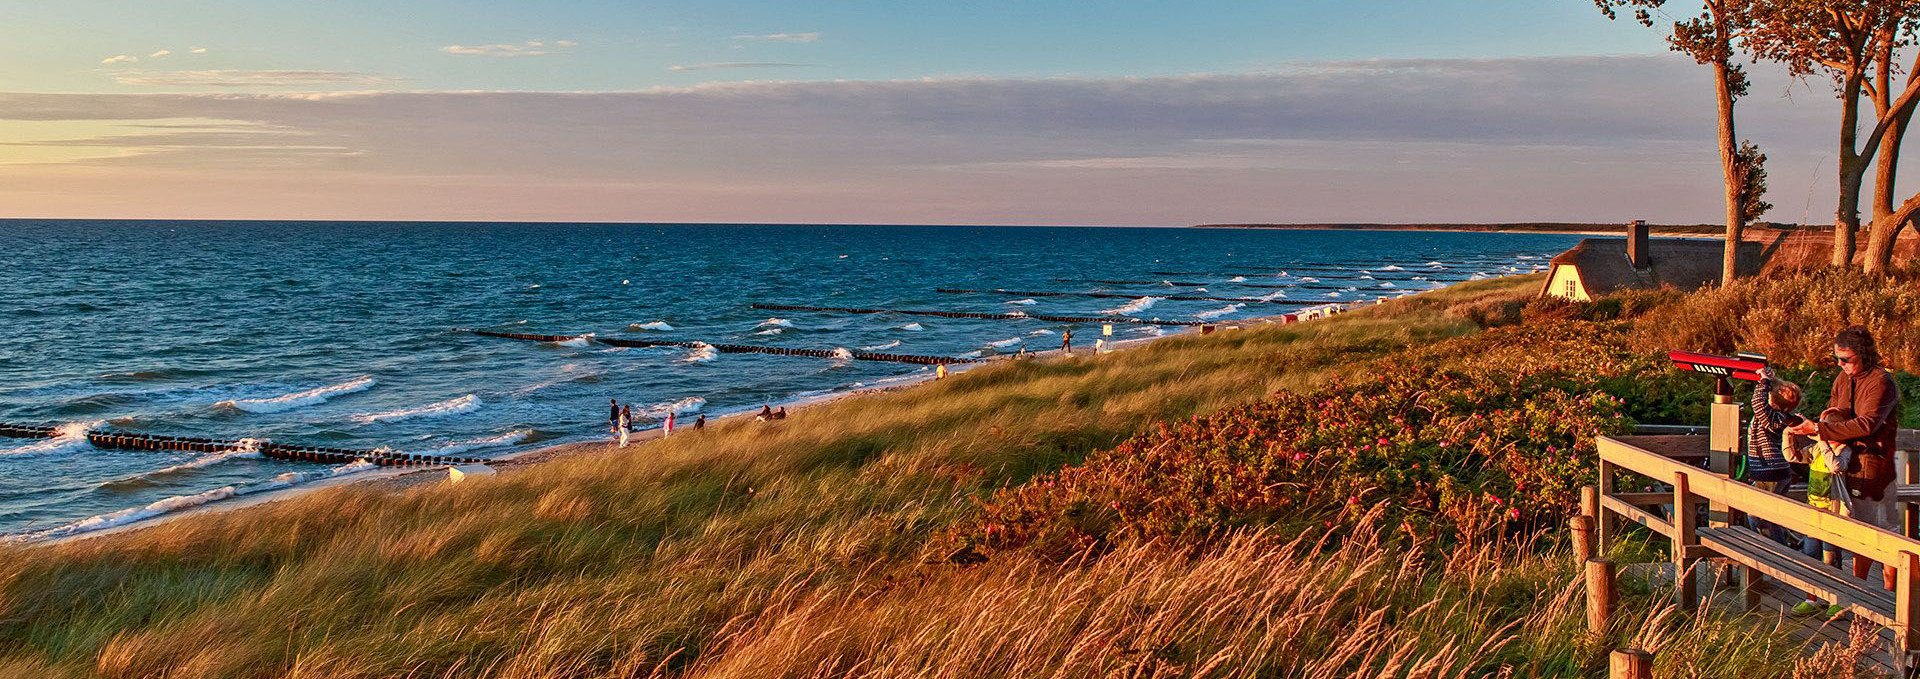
(1237, 279)
(577, 342)
(130, 515)
(301, 399)
(913, 327)
(1309, 279)
(1277, 294)
(1002, 344)
(658, 411)
(1222, 311)
(249, 450)
(1024, 302)
(1392, 267)
(452, 406)
(657, 326)
(882, 347)
(702, 353)
(841, 354)
(771, 331)
(774, 323)
(1042, 331)
(510, 438)
(68, 438)
(1133, 307)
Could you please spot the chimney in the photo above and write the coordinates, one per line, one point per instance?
(1637, 253)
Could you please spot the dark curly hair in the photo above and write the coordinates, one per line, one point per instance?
(1859, 340)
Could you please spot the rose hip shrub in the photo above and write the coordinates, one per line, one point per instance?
(1462, 440)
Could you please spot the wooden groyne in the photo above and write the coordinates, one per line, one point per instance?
(740, 348)
(982, 316)
(1116, 295)
(1181, 284)
(153, 442)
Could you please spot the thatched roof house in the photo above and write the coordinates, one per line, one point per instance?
(1598, 266)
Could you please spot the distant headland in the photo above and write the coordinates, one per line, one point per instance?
(1516, 227)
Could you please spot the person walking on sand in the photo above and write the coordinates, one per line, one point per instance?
(1066, 341)
(623, 424)
(1868, 402)
(613, 416)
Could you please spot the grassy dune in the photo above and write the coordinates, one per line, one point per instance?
(656, 559)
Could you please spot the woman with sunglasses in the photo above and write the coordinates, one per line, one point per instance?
(1871, 401)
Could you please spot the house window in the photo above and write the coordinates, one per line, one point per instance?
(1573, 290)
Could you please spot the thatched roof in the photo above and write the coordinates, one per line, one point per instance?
(1687, 264)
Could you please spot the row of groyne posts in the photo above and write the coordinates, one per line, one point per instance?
(157, 443)
(1317, 310)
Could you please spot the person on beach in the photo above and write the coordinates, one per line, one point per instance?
(1774, 403)
(1827, 491)
(667, 429)
(613, 416)
(766, 413)
(1066, 341)
(700, 423)
(623, 424)
(780, 414)
(1867, 402)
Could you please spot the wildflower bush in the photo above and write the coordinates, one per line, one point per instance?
(1468, 439)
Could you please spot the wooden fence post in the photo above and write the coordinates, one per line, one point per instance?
(1600, 596)
(1630, 663)
(1605, 528)
(1684, 517)
(1906, 615)
(1582, 532)
(1910, 474)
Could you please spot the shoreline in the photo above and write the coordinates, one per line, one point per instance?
(1592, 230)
(395, 479)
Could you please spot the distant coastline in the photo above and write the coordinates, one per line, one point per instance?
(1671, 230)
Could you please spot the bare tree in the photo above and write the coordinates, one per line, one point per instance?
(1709, 38)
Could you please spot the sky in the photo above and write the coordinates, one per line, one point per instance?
(855, 111)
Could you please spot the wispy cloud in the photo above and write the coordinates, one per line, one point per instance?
(725, 65)
(197, 50)
(242, 78)
(120, 59)
(780, 37)
(159, 53)
(1594, 138)
(530, 48)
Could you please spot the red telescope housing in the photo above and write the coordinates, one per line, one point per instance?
(1739, 366)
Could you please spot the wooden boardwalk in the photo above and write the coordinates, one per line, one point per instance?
(1776, 600)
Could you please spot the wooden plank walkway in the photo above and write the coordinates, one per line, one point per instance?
(1776, 599)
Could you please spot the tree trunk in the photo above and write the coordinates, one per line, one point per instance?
(1882, 235)
(1846, 221)
(1729, 166)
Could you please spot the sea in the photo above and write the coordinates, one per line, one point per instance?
(358, 335)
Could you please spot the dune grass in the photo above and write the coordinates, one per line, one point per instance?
(647, 560)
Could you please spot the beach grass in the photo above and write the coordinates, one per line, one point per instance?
(625, 563)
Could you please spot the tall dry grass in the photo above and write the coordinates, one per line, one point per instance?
(622, 563)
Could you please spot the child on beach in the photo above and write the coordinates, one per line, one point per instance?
(1774, 403)
(1827, 492)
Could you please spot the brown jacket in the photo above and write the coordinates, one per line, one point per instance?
(1874, 400)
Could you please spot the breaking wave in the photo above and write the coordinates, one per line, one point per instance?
(771, 331)
(1237, 279)
(658, 411)
(69, 437)
(841, 354)
(249, 450)
(507, 439)
(1024, 302)
(1392, 267)
(658, 326)
(702, 353)
(580, 341)
(913, 327)
(1002, 344)
(452, 406)
(882, 347)
(1133, 307)
(1222, 311)
(774, 323)
(302, 399)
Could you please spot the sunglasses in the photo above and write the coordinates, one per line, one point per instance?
(1843, 360)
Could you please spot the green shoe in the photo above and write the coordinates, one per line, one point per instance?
(1834, 611)
(1804, 609)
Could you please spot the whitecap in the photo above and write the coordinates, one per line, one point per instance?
(1222, 311)
(882, 347)
(702, 353)
(659, 411)
(1150, 330)
(580, 341)
(1277, 294)
(1388, 284)
(248, 449)
(841, 354)
(1042, 331)
(1023, 302)
(1002, 344)
(130, 515)
(453, 406)
(510, 438)
(1237, 279)
(1309, 279)
(1477, 276)
(774, 323)
(1133, 307)
(970, 354)
(1437, 265)
(69, 437)
(771, 331)
(661, 326)
(1392, 267)
(302, 399)
(913, 327)
(1199, 289)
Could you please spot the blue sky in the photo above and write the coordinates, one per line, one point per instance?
(58, 46)
(855, 111)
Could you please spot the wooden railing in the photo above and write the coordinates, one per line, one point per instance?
(1675, 511)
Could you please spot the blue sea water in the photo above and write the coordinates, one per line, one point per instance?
(353, 334)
